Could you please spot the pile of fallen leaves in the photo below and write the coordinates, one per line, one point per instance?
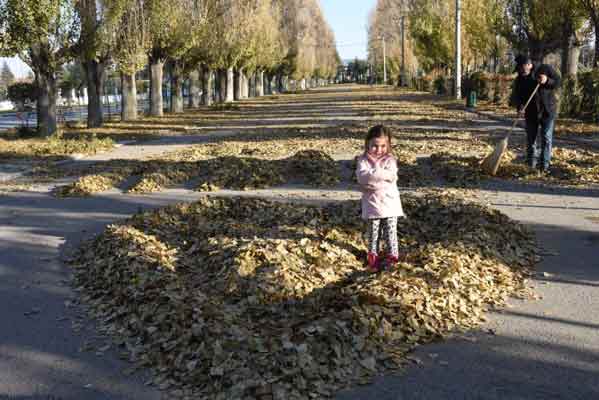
(241, 173)
(311, 167)
(156, 175)
(96, 178)
(52, 148)
(568, 167)
(463, 171)
(90, 184)
(245, 298)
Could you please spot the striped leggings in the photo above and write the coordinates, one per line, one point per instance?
(389, 231)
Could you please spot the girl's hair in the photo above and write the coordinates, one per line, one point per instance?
(378, 131)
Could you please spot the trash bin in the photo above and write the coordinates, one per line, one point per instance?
(471, 99)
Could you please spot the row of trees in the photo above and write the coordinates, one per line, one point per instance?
(490, 29)
(199, 40)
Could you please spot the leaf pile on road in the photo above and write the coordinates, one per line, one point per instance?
(245, 298)
(155, 176)
(311, 167)
(575, 167)
(97, 177)
(90, 184)
(50, 149)
(572, 167)
(462, 171)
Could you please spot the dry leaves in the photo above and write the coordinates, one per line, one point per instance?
(311, 167)
(246, 298)
(53, 148)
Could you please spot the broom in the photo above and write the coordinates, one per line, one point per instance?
(490, 164)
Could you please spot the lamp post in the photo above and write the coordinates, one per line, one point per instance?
(384, 61)
(458, 52)
(403, 51)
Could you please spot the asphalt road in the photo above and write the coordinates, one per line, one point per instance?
(543, 349)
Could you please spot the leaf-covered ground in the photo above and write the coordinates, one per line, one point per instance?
(274, 129)
(16, 149)
(244, 298)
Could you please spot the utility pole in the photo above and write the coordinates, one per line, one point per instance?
(384, 62)
(458, 51)
(403, 51)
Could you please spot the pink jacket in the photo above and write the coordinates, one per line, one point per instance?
(378, 181)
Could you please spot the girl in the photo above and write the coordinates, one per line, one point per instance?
(377, 175)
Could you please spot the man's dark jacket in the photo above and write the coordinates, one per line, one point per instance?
(544, 105)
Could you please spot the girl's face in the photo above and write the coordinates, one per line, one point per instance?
(378, 147)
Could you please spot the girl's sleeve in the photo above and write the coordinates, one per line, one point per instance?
(391, 172)
(374, 178)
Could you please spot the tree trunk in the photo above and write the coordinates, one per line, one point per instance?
(267, 84)
(46, 104)
(208, 84)
(222, 86)
(245, 87)
(129, 97)
(570, 54)
(94, 76)
(303, 84)
(259, 83)
(280, 87)
(194, 89)
(272, 84)
(156, 71)
(252, 85)
(229, 83)
(596, 58)
(216, 77)
(176, 88)
(237, 83)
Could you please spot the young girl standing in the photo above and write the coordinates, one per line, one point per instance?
(381, 206)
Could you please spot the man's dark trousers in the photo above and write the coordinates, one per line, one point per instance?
(539, 135)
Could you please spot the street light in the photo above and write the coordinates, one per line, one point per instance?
(458, 51)
(384, 59)
(402, 22)
(403, 51)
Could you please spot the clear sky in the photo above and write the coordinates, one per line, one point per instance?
(349, 18)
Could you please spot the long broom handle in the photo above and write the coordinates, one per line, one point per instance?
(524, 109)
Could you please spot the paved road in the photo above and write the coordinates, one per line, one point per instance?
(545, 349)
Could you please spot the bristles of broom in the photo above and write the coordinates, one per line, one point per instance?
(490, 164)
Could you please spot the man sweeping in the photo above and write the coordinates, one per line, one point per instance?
(541, 113)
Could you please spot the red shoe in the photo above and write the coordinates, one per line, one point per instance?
(373, 262)
(390, 262)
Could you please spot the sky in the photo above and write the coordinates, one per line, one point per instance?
(18, 67)
(347, 18)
